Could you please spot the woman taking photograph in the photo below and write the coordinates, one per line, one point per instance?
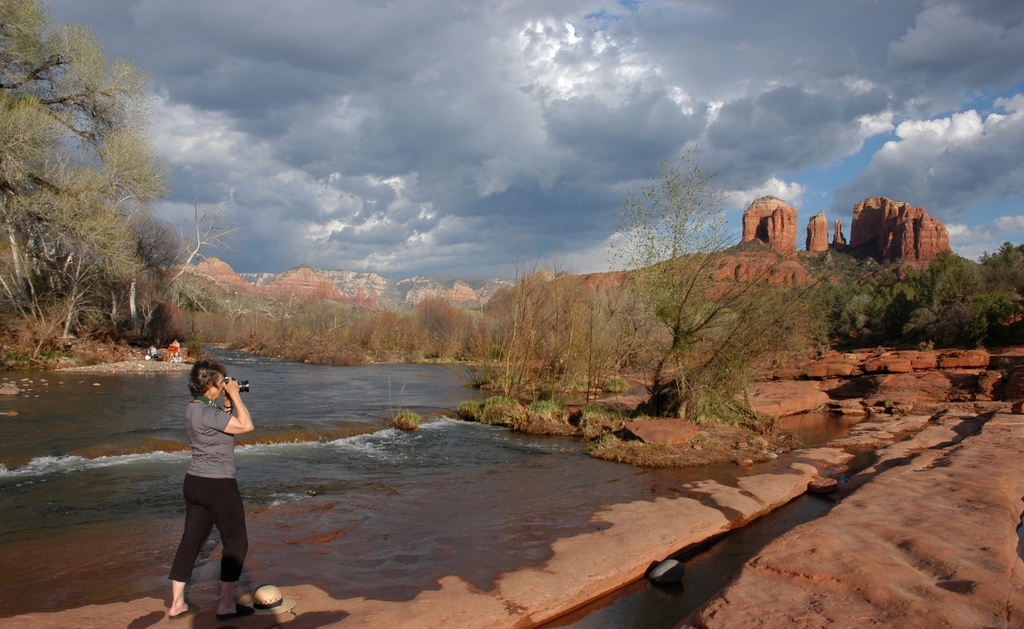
(211, 493)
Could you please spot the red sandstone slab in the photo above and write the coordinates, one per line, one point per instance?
(929, 544)
(888, 364)
(780, 398)
(663, 430)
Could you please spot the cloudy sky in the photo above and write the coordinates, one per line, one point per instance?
(438, 136)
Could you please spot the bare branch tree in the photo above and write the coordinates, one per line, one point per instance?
(204, 232)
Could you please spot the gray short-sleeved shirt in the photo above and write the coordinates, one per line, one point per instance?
(213, 450)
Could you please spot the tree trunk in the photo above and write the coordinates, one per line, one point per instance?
(72, 311)
(134, 309)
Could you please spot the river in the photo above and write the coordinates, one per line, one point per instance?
(90, 485)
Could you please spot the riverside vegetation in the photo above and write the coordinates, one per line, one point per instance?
(85, 266)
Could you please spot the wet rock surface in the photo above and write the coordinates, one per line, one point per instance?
(928, 540)
(628, 540)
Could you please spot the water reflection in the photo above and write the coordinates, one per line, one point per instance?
(815, 429)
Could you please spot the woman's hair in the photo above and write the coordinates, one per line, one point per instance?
(204, 375)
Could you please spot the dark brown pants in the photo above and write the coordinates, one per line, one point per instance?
(209, 502)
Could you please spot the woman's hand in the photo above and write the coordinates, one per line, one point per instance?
(240, 422)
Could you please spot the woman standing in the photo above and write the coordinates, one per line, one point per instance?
(211, 492)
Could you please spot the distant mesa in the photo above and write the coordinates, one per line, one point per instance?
(773, 222)
(358, 290)
(883, 229)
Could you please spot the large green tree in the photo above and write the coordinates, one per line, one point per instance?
(78, 171)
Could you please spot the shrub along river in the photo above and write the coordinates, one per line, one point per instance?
(92, 464)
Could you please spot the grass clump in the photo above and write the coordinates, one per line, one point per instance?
(469, 411)
(615, 385)
(545, 417)
(407, 420)
(595, 422)
(500, 411)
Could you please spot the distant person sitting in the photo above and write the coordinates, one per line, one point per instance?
(173, 350)
(152, 353)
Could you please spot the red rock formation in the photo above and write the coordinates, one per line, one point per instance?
(773, 222)
(891, 230)
(838, 239)
(817, 232)
(304, 282)
(223, 275)
(758, 266)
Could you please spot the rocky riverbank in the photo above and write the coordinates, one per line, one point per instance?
(930, 540)
(884, 381)
(128, 366)
(925, 537)
(627, 539)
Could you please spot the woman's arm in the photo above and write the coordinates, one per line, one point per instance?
(240, 422)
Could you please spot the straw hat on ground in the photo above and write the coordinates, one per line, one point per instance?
(268, 600)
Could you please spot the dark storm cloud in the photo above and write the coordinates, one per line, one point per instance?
(788, 129)
(953, 46)
(623, 139)
(424, 136)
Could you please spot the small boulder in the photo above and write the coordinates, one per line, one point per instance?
(1013, 389)
(840, 370)
(678, 431)
(990, 386)
(822, 485)
(9, 388)
(668, 572)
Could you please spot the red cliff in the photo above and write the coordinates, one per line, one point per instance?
(891, 230)
(772, 221)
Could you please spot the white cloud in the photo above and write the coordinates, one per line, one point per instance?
(971, 242)
(790, 192)
(948, 165)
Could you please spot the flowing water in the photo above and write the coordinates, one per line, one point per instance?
(91, 469)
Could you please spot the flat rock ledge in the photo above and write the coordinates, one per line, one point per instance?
(930, 541)
(581, 569)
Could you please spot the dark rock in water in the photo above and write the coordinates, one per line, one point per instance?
(822, 485)
(668, 572)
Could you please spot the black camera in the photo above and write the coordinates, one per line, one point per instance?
(243, 386)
